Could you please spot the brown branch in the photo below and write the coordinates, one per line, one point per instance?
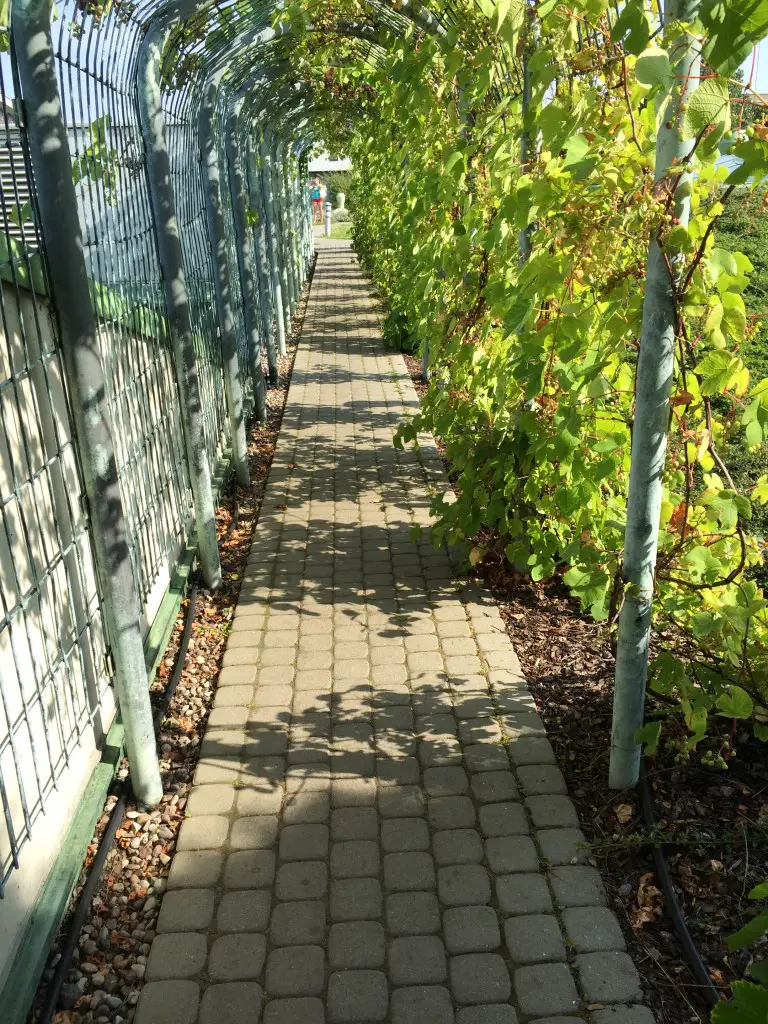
(629, 104)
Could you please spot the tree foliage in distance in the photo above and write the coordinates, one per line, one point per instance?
(533, 362)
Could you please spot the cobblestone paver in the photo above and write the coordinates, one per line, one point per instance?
(378, 831)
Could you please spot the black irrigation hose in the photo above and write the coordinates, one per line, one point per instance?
(83, 904)
(709, 992)
(123, 791)
(234, 519)
(173, 682)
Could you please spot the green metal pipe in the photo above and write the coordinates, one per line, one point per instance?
(62, 233)
(266, 305)
(295, 220)
(655, 371)
(277, 178)
(526, 147)
(218, 241)
(284, 160)
(274, 245)
(158, 165)
(237, 185)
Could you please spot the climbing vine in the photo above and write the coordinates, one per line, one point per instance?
(533, 361)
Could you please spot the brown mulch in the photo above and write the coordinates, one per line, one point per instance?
(109, 963)
(713, 822)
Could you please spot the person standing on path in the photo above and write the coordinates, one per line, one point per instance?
(316, 192)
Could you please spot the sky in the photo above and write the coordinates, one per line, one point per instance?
(760, 80)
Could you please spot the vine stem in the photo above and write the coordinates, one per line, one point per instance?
(629, 103)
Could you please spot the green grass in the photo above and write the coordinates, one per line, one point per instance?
(341, 230)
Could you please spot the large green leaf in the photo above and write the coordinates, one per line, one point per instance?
(708, 107)
(632, 28)
(749, 1005)
(733, 27)
(736, 704)
(653, 68)
(750, 933)
(716, 370)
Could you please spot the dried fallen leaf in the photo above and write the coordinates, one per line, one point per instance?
(624, 812)
(648, 901)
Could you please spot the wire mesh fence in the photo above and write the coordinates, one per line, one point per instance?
(57, 671)
(57, 658)
(55, 693)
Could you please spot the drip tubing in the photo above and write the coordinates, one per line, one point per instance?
(123, 791)
(709, 992)
(83, 904)
(173, 682)
(234, 519)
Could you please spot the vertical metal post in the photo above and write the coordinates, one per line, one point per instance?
(304, 204)
(177, 299)
(240, 208)
(280, 221)
(262, 260)
(296, 222)
(62, 234)
(217, 234)
(272, 238)
(285, 203)
(524, 234)
(296, 219)
(655, 369)
(327, 218)
(310, 224)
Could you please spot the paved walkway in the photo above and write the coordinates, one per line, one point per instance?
(378, 831)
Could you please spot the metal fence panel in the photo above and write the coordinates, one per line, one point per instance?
(56, 697)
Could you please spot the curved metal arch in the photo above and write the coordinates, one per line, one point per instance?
(172, 18)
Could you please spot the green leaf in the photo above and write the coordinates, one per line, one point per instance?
(649, 736)
(702, 623)
(753, 433)
(696, 720)
(735, 704)
(716, 370)
(653, 68)
(760, 892)
(721, 261)
(708, 105)
(734, 315)
(503, 9)
(576, 148)
(452, 161)
(748, 1005)
(631, 27)
(703, 563)
(750, 933)
(759, 970)
(732, 27)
